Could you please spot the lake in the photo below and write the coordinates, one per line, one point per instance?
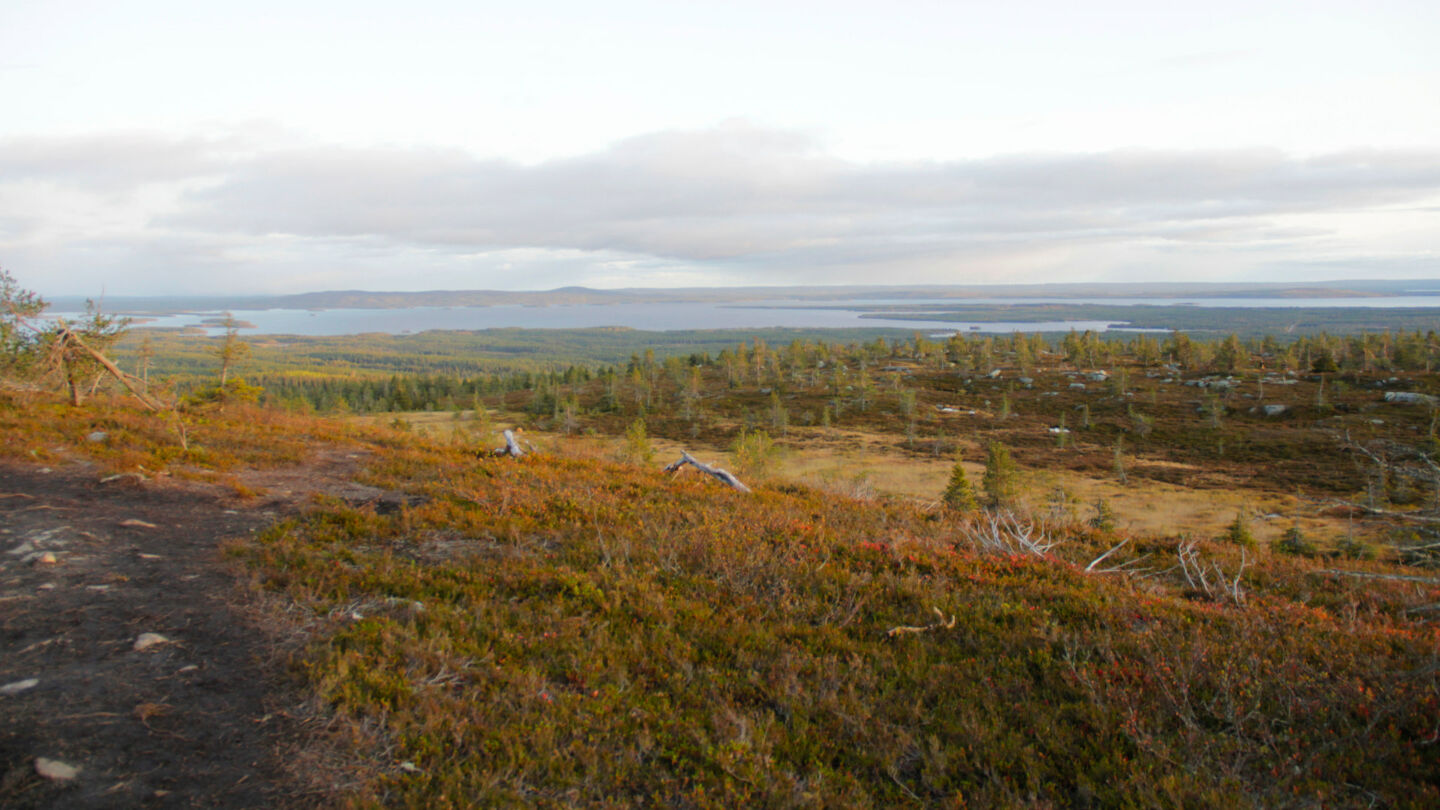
(702, 315)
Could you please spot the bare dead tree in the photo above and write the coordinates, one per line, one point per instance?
(1208, 577)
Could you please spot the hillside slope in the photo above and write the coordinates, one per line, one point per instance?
(557, 631)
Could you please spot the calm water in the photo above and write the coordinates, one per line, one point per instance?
(680, 316)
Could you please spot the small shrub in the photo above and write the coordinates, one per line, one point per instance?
(1352, 548)
(1104, 517)
(1238, 532)
(1293, 542)
(754, 452)
(638, 449)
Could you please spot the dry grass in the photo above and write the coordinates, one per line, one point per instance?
(860, 463)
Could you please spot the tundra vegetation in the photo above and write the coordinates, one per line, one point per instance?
(577, 627)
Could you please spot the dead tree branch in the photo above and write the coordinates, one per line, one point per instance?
(68, 335)
(724, 476)
(1091, 567)
(943, 624)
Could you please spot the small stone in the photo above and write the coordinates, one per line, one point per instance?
(133, 523)
(55, 770)
(48, 558)
(147, 640)
(97, 437)
(17, 687)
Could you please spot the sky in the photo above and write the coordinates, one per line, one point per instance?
(151, 148)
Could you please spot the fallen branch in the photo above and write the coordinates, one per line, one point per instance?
(1368, 575)
(68, 335)
(1097, 560)
(943, 624)
(724, 476)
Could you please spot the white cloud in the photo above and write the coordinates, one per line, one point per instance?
(735, 203)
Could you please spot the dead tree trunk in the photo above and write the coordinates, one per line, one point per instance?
(512, 446)
(724, 476)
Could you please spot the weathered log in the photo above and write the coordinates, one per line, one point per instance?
(724, 476)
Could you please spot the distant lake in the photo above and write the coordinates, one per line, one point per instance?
(816, 314)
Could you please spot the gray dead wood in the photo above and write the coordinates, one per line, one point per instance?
(512, 446)
(1368, 575)
(724, 476)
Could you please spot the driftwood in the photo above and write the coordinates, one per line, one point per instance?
(724, 476)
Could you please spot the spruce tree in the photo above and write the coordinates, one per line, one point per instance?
(959, 494)
(1001, 480)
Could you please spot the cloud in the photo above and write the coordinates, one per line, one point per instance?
(734, 203)
(109, 163)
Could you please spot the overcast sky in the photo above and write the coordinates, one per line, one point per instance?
(216, 147)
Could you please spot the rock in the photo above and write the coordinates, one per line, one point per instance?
(1275, 410)
(147, 640)
(97, 437)
(133, 523)
(48, 558)
(11, 689)
(55, 770)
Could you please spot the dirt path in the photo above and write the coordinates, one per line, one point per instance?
(86, 570)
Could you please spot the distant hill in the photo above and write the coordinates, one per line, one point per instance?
(572, 295)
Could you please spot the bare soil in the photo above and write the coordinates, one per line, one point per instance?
(200, 720)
